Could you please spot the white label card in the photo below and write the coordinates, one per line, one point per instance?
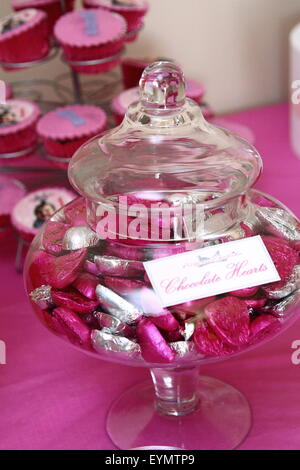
(211, 271)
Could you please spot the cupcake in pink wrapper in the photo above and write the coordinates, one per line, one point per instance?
(65, 129)
(23, 37)
(53, 8)
(90, 35)
(132, 10)
(11, 191)
(30, 213)
(121, 102)
(18, 135)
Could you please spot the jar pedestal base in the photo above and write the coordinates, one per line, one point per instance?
(221, 421)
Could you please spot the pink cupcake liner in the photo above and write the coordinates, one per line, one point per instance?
(107, 43)
(26, 43)
(78, 54)
(20, 136)
(133, 15)
(64, 149)
(51, 7)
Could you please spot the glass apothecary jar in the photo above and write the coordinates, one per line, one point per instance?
(167, 185)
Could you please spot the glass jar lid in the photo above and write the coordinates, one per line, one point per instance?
(165, 150)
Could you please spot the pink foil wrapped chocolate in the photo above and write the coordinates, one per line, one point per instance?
(191, 308)
(123, 286)
(229, 318)
(284, 258)
(59, 272)
(256, 302)
(71, 299)
(53, 236)
(153, 346)
(86, 284)
(262, 327)
(247, 292)
(76, 330)
(208, 343)
(75, 212)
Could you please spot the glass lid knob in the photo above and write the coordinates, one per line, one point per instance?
(162, 86)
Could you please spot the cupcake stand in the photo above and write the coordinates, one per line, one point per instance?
(69, 89)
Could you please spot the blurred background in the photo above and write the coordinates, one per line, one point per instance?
(237, 48)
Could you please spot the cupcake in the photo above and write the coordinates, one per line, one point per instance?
(87, 35)
(11, 191)
(30, 213)
(18, 120)
(132, 10)
(23, 37)
(65, 129)
(53, 8)
(121, 102)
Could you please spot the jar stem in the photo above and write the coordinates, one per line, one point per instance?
(176, 390)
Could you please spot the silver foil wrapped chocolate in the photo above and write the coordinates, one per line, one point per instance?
(279, 222)
(104, 341)
(282, 308)
(113, 325)
(79, 237)
(292, 284)
(183, 348)
(117, 306)
(113, 266)
(42, 296)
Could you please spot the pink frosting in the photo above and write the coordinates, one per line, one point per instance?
(23, 215)
(27, 112)
(134, 5)
(11, 191)
(71, 122)
(37, 17)
(71, 28)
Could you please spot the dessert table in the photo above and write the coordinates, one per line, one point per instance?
(54, 397)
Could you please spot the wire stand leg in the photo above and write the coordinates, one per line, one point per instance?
(76, 87)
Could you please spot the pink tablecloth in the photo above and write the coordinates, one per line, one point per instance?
(53, 397)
